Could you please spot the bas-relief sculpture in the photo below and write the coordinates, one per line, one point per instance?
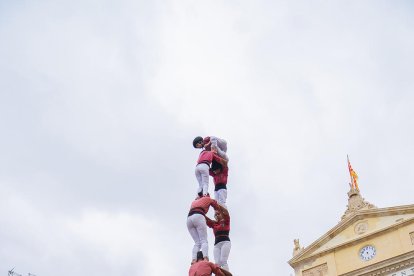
(320, 270)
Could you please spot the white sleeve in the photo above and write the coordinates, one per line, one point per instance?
(213, 141)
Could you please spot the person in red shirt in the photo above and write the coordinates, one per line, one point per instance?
(222, 244)
(205, 268)
(196, 224)
(202, 169)
(220, 175)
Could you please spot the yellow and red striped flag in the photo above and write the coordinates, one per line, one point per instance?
(354, 176)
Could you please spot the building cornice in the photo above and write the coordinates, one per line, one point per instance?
(360, 214)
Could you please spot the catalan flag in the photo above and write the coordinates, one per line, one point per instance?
(354, 176)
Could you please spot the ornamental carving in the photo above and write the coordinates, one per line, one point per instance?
(355, 203)
(361, 227)
(297, 249)
(320, 270)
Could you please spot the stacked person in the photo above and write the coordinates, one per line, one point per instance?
(205, 159)
(196, 224)
(222, 243)
(220, 174)
(214, 155)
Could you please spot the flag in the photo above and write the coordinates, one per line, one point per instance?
(354, 176)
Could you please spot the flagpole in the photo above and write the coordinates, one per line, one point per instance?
(349, 169)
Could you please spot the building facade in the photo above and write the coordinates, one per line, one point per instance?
(368, 241)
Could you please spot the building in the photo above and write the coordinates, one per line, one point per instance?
(368, 241)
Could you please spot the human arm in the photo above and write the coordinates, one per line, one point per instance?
(224, 212)
(210, 222)
(213, 141)
(225, 272)
(220, 160)
(214, 204)
(216, 269)
(207, 143)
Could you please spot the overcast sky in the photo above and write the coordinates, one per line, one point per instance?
(100, 101)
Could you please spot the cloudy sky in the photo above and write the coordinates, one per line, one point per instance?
(100, 101)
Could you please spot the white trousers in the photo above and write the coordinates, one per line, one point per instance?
(196, 225)
(201, 173)
(220, 145)
(221, 254)
(221, 197)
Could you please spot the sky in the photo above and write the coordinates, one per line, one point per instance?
(100, 102)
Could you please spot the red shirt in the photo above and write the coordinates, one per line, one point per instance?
(224, 225)
(221, 177)
(205, 157)
(208, 157)
(204, 203)
(203, 268)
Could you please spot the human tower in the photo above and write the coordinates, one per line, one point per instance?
(212, 161)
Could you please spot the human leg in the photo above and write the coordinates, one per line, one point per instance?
(221, 197)
(217, 253)
(199, 180)
(201, 226)
(202, 175)
(223, 145)
(224, 254)
(194, 234)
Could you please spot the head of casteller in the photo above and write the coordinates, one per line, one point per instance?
(198, 142)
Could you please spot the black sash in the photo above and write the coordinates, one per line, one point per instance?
(220, 186)
(197, 210)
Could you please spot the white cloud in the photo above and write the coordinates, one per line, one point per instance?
(124, 240)
(119, 243)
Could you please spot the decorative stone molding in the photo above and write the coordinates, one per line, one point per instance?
(392, 269)
(355, 203)
(412, 237)
(404, 272)
(320, 270)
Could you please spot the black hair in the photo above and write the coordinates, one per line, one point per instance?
(200, 255)
(197, 140)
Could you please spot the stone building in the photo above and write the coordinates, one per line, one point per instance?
(368, 241)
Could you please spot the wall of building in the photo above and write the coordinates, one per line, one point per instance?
(396, 241)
